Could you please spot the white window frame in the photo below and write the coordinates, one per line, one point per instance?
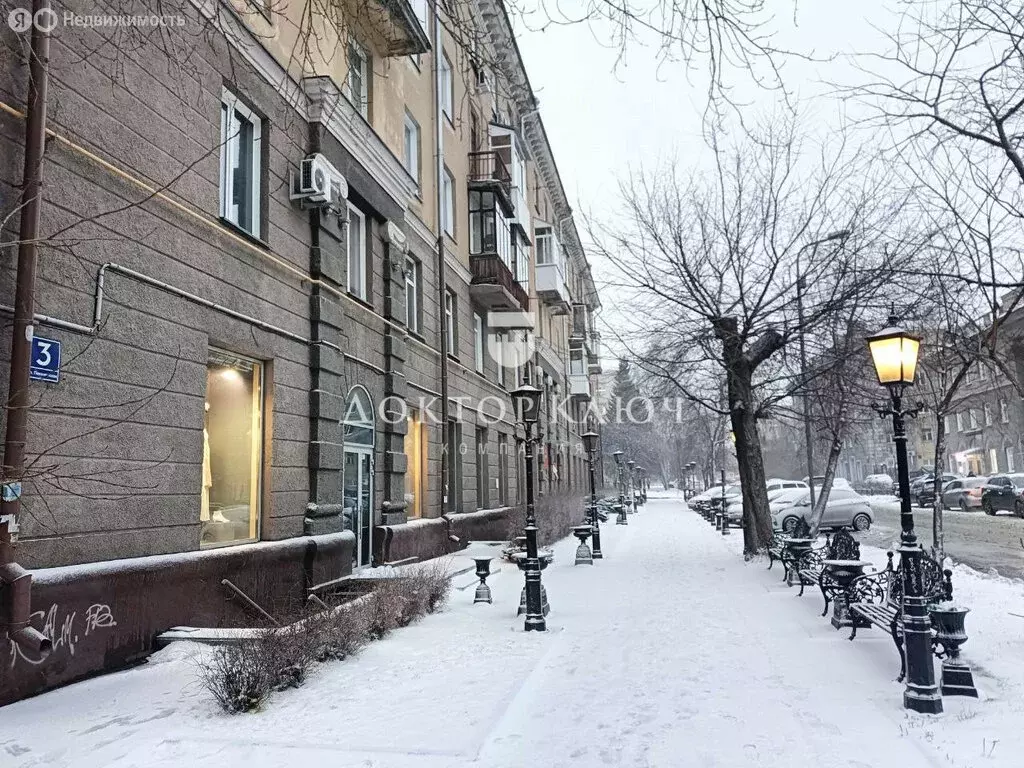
(1004, 412)
(357, 224)
(448, 201)
(972, 414)
(412, 294)
(545, 245)
(447, 86)
(947, 424)
(499, 346)
(960, 422)
(451, 316)
(411, 149)
(360, 100)
(479, 342)
(231, 110)
(1011, 459)
(987, 410)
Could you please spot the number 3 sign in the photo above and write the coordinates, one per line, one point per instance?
(45, 365)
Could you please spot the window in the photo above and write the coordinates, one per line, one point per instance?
(499, 349)
(416, 465)
(993, 460)
(988, 414)
(447, 86)
(1011, 460)
(1004, 414)
(452, 318)
(453, 497)
(411, 156)
(358, 435)
(489, 230)
(960, 422)
(503, 459)
(448, 201)
(412, 295)
(973, 415)
(357, 282)
(232, 450)
(241, 155)
(926, 435)
(946, 424)
(545, 245)
(419, 7)
(359, 73)
(479, 341)
(482, 469)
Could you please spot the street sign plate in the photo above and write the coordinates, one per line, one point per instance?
(45, 364)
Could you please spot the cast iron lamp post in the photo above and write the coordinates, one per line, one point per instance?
(894, 354)
(590, 444)
(620, 481)
(692, 466)
(630, 486)
(527, 402)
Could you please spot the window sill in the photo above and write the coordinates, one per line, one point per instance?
(359, 300)
(237, 230)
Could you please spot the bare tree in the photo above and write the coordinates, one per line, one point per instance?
(714, 264)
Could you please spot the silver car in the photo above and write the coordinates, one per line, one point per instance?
(844, 509)
(964, 493)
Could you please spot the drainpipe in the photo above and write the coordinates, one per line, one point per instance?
(442, 282)
(15, 581)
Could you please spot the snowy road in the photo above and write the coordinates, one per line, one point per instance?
(669, 652)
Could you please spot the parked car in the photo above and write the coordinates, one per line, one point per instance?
(779, 485)
(845, 508)
(964, 493)
(793, 489)
(703, 499)
(732, 493)
(1004, 493)
(837, 482)
(877, 484)
(923, 491)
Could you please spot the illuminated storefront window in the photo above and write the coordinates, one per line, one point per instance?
(232, 450)
(416, 465)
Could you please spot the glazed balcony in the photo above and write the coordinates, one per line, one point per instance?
(391, 26)
(489, 173)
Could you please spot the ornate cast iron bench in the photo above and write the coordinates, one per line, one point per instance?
(775, 549)
(812, 570)
(877, 599)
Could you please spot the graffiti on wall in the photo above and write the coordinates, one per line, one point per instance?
(66, 629)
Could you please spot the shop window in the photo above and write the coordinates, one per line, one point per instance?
(503, 459)
(482, 473)
(232, 450)
(416, 465)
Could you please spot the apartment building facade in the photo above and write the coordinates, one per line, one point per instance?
(294, 266)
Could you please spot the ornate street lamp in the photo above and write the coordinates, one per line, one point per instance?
(527, 402)
(620, 480)
(590, 445)
(894, 354)
(630, 486)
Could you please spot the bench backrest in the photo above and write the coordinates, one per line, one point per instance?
(937, 583)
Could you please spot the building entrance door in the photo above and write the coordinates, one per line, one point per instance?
(359, 503)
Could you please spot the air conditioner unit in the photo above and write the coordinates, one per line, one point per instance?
(318, 183)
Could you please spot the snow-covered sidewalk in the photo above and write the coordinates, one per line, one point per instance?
(669, 652)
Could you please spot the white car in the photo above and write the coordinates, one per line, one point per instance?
(792, 490)
(845, 508)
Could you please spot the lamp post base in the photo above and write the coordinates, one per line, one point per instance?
(957, 679)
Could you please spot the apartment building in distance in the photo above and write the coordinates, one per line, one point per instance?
(294, 263)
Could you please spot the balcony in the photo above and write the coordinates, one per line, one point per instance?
(551, 287)
(593, 362)
(494, 287)
(489, 173)
(392, 26)
(550, 358)
(579, 386)
(580, 330)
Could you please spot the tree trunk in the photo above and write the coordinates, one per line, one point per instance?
(821, 498)
(757, 521)
(938, 465)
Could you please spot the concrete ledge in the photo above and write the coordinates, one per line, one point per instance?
(103, 616)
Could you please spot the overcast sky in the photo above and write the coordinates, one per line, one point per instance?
(606, 116)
